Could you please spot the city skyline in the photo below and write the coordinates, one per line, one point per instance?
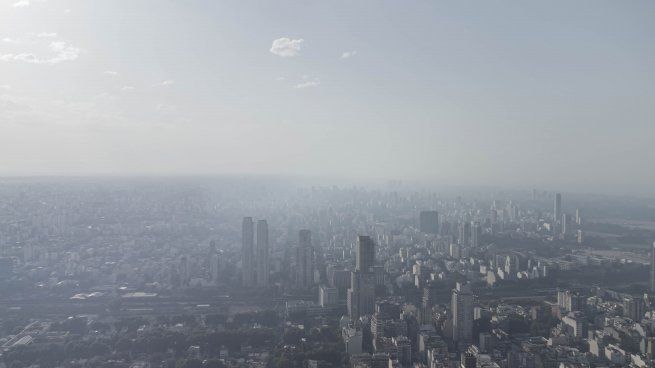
(327, 184)
(248, 272)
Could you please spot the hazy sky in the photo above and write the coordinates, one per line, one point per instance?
(550, 94)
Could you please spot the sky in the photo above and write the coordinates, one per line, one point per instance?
(545, 94)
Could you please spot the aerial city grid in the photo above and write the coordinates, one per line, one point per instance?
(327, 184)
(228, 273)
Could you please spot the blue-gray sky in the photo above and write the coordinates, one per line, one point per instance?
(550, 94)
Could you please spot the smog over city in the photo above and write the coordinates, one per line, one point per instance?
(323, 184)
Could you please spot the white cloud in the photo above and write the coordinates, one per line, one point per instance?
(127, 88)
(25, 3)
(167, 82)
(279, 79)
(21, 3)
(348, 54)
(307, 82)
(13, 41)
(286, 47)
(30, 39)
(61, 51)
(26, 57)
(5, 87)
(110, 72)
(64, 52)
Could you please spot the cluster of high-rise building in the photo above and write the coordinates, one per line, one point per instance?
(465, 283)
(255, 257)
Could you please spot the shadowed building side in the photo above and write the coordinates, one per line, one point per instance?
(247, 252)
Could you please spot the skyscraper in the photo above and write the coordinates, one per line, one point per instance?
(428, 300)
(566, 224)
(361, 295)
(327, 296)
(247, 252)
(461, 307)
(475, 234)
(365, 253)
(262, 253)
(305, 260)
(429, 222)
(634, 308)
(464, 233)
(557, 211)
(652, 269)
(214, 267)
(183, 270)
(511, 266)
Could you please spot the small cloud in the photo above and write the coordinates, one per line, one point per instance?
(167, 82)
(62, 51)
(67, 11)
(279, 79)
(110, 72)
(65, 52)
(286, 47)
(348, 54)
(307, 82)
(41, 48)
(25, 3)
(21, 3)
(127, 88)
(26, 57)
(10, 40)
(5, 87)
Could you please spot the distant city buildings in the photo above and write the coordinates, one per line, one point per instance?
(578, 217)
(327, 296)
(254, 261)
(570, 301)
(262, 254)
(476, 291)
(364, 254)
(304, 260)
(214, 267)
(429, 222)
(361, 295)
(475, 234)
(565, 224)
(464, 233)
(557, 210)
(461, 307)
(634, 308)
(247, 252)
(652, 269)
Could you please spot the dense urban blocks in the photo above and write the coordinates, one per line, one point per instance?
(172, 274)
